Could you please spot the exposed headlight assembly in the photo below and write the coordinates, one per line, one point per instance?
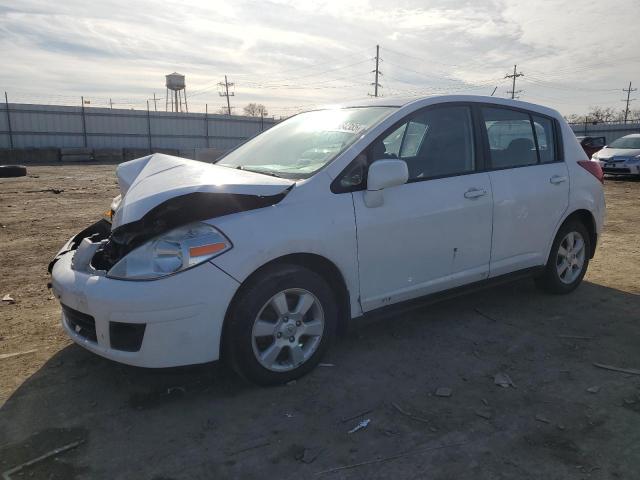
(172, 252)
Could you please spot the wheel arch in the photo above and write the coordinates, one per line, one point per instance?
(317, 264)
(588, 220)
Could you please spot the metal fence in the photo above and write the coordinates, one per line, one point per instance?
(609, 130)
(39, 126)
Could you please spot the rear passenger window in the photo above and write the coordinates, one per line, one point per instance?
(546, 140)
(511, 140)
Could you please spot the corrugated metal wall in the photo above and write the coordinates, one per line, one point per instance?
(609, 131)
(67, 127)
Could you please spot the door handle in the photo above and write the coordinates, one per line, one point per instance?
(475, 193)
(556, 179)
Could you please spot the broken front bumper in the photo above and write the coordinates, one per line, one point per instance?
(172, 321)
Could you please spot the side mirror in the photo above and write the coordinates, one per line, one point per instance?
(384, 174)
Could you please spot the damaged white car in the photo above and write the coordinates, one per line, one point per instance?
(330, 215)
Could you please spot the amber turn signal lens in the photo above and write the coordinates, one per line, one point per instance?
(207, 249)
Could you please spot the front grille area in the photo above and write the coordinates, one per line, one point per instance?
(616, 170)
(81, 323)
(126, 336)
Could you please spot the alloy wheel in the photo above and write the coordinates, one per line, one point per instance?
(570, 258)
(287, 330)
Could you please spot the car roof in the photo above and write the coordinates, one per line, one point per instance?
(401, 102)
(632, 135)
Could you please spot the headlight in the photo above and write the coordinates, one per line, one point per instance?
(635, 159)
(594, 157)
(172, 252)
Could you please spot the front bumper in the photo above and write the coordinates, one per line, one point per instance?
(620, 168)
(182, 314)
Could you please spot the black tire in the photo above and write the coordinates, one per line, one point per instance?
(238, 340)
(7, 171)
(550, 281)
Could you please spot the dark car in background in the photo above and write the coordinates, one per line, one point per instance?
(592, 144)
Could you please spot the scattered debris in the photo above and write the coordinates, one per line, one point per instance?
(488, 317)
(561, 427)
(503, 380)
(594, 389)
(250, 447)
(171, 390)
(485, 413)
(8, 299)
(46, 190)
(326, 365)
(353, 417)
(631, 371)
(15, 354)
(390, 458)
(542, 418)
(7, 474)
(288, 415)
(362, 425)
(407, 414)
(484, 400)
(291, 382)
(629, 401)
(308, 455)
(575, 337)
(443, 392)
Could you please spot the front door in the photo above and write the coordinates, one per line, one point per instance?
(434, 232)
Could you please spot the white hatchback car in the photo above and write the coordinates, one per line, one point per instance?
(329, 215)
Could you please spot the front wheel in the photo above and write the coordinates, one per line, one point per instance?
(280, 325)
(568, 259)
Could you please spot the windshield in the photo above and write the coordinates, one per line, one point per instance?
(301, 145)
(626, 142)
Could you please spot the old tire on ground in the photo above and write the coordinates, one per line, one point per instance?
(280, 325)
(568, 259)
(12, 171)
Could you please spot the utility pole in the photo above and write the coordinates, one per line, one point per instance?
(628, 90)
(225, 92)
(513, 76)
(377, 71)
(110, 104)
(155, 104)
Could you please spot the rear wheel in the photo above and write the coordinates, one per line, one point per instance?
(280, 325)
(568, 259)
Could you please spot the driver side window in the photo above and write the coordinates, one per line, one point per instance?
(435, 142)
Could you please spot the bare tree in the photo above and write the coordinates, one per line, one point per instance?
(255, 110)
(603, 114)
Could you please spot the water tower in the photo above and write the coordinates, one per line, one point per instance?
(176, 93)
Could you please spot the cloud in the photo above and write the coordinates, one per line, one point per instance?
(291, 53)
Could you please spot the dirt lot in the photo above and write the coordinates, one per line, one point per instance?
(202, 422)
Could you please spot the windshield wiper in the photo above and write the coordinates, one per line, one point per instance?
(257, 170)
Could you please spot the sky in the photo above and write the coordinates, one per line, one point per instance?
(291, 55)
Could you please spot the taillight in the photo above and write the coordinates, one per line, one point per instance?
(593, 168)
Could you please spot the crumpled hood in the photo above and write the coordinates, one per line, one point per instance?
(148, 182)
(617, 152)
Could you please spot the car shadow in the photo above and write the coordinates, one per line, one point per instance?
(205, 422)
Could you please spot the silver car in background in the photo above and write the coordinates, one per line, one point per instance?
(621, 157)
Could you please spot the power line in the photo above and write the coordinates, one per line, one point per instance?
(513, 76)
(628, 90)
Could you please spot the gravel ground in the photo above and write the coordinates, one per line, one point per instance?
(562, 417)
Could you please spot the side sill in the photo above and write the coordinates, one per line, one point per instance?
(416, 303)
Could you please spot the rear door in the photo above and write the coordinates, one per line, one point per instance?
(530, 184)
(433, 232)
